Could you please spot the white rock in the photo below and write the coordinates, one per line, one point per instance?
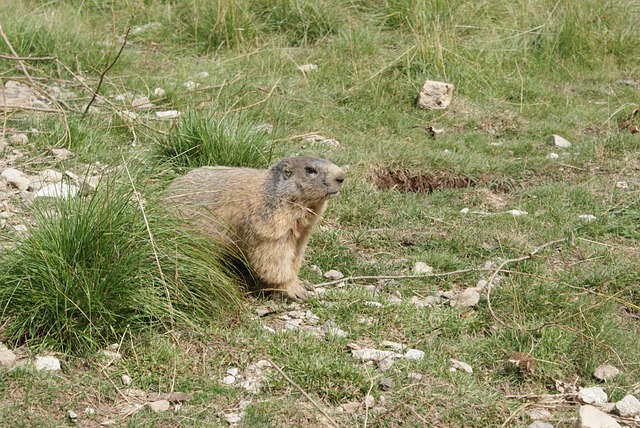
(229, 380)
(233, 371)
(305, 68)
(263, 364)
(372, 304)
(292, 324)
(15, 178)
(369, 354)
(190, 85)
(333, 275)
(421, 267)
(459, 365)
(398, 347)
(232, 418)
(57, 190)
(369, 401)
(414, 355)
(426, 302)
(89, 411)
(553, 156)
(435, 95)
(622, 185)
(71, 414)
(558, 141)
(159, 92)
(128, 116)
(587, 217)
(464, 211)
(159, 406)
(628, 407)
(415, 377)
(126, 380)
(540, 414)
(538, 424)
(62, 154)
(47, 363)
(20, 139)
(50, 176)
(590, 417)
(169, 114)
(142, 103)
(7, 357)
(468, 298)
(385, 364)
(319, 139)
(251, 385)
(606, 372)
(594, 395)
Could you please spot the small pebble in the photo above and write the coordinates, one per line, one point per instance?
(72, 415)
(159, 406)
(19, 139)
(333, 275)
(126, 380)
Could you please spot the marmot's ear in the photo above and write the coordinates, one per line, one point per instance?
(287, 172)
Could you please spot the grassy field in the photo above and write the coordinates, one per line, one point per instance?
(564, 288)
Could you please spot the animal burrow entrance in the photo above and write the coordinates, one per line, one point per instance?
(405, 180)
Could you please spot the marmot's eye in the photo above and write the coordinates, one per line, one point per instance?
(311, 170)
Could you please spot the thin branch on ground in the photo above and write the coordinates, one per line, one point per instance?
(302, 391)
(492, 278)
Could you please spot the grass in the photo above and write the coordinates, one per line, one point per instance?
(522, 71)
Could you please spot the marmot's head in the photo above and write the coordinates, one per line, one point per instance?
(306, 180)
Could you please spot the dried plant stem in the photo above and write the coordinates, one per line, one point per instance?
(15, 55)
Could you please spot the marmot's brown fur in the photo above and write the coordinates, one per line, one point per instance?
(266, 214)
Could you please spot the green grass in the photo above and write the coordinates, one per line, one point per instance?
(522, 71)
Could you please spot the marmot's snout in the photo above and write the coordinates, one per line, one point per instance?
(334, 180)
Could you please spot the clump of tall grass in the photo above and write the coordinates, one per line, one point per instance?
(98, 267)
(200, 140)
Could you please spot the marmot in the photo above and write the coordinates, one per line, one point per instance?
(266, 214)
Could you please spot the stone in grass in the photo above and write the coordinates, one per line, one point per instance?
(628, 407)
(606, 372)
(369, 354)
(422, 268)
(414, 355)
(233, 418)
(72, 415)
(466, 299)
(558, 141)
(594, 395)
(47, 363)
(459, 365)
(385, 364)
(333, 275)
(7, 357)
(591, 417)
(434, 95)
(126, 380)
(538, 424)
(16, 178)
(18, 139)
(540, 414)
(159, 406)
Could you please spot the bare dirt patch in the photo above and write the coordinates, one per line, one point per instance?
(405, 180)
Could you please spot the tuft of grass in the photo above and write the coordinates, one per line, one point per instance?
(200, 140)
(89, 273)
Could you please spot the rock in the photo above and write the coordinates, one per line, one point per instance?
(558, 141)
(126, 380)
(142, 103)
(319, 139)
(233, 371)
(398, 347)
(229, 380)
(16, 179)
(426, 302)
(169, 114)
(415, 377)
(179, 397)
(369, 401)
(369, 354)
(62, 154)
(590, 417)
(422, 268)
(316, 269)
(232, 418)
(538, 424)
(7, 357)
(628, 407)
(159, 406)
(47, 363)
(553, 156)
(57, 190)
(594, 395)
(331, 329)
(306, 68)
(372, 304)
(333, 275)
(468, 298)
(587, 217)
(516, 213)
(385, 384)
(414, 355)
(19, 139)
(108, 422)
(435, 95)
(350, 407)
(190, 85)
(131, 409)
(540, 414)
(459, 365)
(251, 385)
(159, 92)
(89, 411)
(71, 415)
(50, 176)
(605, 372)
(385, 364)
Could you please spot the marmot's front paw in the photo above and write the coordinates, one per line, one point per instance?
(298, 291)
